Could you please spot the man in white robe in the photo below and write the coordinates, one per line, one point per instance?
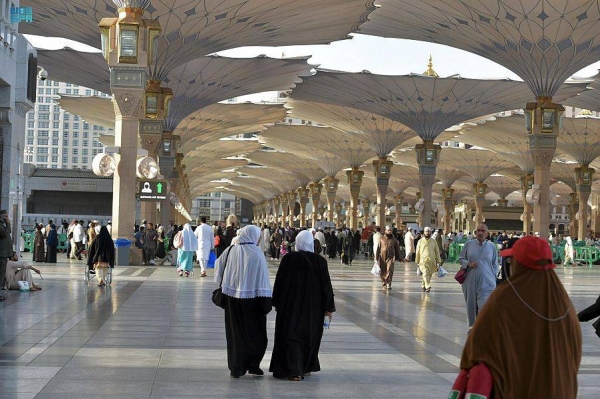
(409, 245)
(206, 243)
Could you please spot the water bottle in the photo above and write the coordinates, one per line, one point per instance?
(326, 322)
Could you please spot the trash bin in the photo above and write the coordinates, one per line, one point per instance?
(122, 251)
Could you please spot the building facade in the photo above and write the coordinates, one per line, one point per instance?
(18, 69)
(56, 139)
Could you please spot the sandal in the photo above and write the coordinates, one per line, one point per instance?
(187, 274)
(297, 378)
(180, 273)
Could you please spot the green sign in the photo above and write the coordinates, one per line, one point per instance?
(152, 190)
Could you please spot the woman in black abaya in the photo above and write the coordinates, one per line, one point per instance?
(243, 270)
(332, 244)
(302, 297)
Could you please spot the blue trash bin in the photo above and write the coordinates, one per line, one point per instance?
(122, 251)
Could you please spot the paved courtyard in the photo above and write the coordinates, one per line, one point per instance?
(156, 335)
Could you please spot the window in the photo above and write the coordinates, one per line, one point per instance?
(75, 91)
(55, 125)
(29, 140)
(86, 126)
(54, 91)
(29, 133)
(54, 166)
(42, 141)
(55, 159)
(69, 85)
(76, 118)
(54, 84)
(43, 117)
(76, 143)
(67, 116)
(55, 151)
(86, 135)
(85, 143)
(31, 115)
(66, 125)
(75, 151)
(74, 159)
(84, 160)
(43, 108)
(65, 135)
(42, 150)
(84, 151)
(75, 125)
(43, 125)
(65, 143)
(75, 134)
(55, 134)
(43, 133)
(65, 159)
(30, 124)
(68, 91)
(41, 90)
(41, 158)
(88, 92)
(96, 152)
(55, 142)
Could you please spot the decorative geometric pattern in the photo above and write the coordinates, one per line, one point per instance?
(564, 172)
(224, 120)
(348, 147)
(281, 180)
(542, 41)
(580, 139)
(479, 164)
(304, 170)
(382, 134)
(191, 29)
(425, 104)
(502, 185)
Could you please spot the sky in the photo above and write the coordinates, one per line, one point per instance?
(362, 52)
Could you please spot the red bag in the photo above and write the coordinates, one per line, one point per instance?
(217, 241)
(476, 383)
(461, 276)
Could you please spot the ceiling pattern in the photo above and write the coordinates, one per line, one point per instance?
(192, 29)
(479, 164)
(580, 139)
(544, 42)
(425, 104)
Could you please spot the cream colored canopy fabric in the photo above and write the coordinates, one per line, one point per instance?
(191, 29)
(544, 42)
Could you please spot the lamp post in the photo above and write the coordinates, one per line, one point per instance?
(128, 47)
(428, 155)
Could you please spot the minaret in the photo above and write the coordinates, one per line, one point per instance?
(430, 71)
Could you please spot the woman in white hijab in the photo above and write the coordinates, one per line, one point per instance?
(242, 268)
(302, 297)
(185, 253)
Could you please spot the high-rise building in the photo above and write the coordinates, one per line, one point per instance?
(57, 139)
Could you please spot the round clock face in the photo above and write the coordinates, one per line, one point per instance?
(104, 165)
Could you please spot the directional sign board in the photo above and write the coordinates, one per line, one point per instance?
(152, 190)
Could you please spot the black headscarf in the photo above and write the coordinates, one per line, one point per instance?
(102, 249)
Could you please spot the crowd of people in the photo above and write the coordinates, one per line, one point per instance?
(512, 316)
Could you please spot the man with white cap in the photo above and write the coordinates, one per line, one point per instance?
(387, 253)
(427, 257)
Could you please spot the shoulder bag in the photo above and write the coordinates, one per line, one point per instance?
(218, 297)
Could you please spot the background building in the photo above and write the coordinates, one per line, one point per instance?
(55, 138)
(18, 69)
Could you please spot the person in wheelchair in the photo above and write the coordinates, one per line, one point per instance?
(101, 255)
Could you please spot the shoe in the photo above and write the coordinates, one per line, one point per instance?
(423, 289)
(428, 289)
(101, 283)
(80, 258)
(187, 274)
(389, 287)
(92, 272)
(256, 371)
(2, 298)
(203, 274)
(297, 378)
(180, 273)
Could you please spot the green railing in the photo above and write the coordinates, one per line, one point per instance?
(63, 242)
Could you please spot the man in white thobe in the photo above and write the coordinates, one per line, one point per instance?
(206, 243)
(409, 245)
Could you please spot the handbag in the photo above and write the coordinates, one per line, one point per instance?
(23, 285)
(461, 276)
(218, 298)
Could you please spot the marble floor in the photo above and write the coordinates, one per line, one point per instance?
(156, 335)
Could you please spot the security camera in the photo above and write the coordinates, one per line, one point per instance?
(42, 74)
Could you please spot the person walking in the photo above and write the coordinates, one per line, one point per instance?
(569, 252)
(6, 248)
(409, 245)
(244, 277)
(39, 252)
(387, 253)
(376, 239)
(78, 235)
(302, 297)
(185, 251)
(101, 255)
(479, 258)
(206, 243)
(51, 244)
(265, 236)
(528, 323)
(275, 242)
(150, 240)
(428, 258)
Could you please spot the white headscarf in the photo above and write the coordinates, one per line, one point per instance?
(305, 241)
(190, 242)
(236, 240)
(246, 275)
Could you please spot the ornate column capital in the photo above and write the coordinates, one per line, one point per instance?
(583, 178)
(355, 177)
